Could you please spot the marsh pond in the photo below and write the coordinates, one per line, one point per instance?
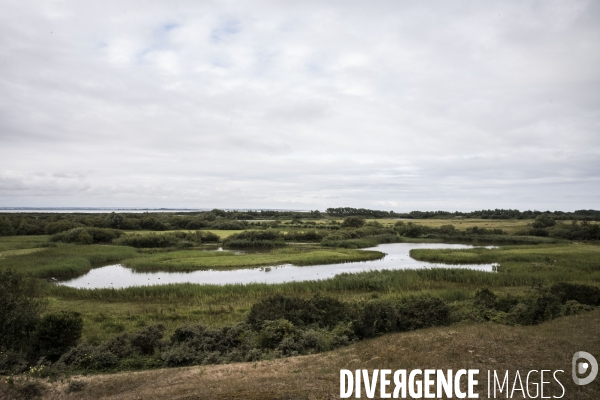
(396, 257)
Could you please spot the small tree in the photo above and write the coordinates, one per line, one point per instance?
(19, 309)
(55, 333)
(6, 228)
(353, 222)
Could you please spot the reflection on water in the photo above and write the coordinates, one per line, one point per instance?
(397, 257)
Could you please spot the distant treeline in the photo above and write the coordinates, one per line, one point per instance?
(50, 224)
(582, 215)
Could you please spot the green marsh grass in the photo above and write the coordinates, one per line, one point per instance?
(190, 260)
(66, 260)
(22, 242)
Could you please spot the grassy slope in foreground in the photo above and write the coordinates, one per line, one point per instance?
(482, 346)
(197, 260)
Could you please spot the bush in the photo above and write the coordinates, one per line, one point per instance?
(151, 240)
(180, 355)
(324, 312)
(146, 340)
(485, 298)
(87, 236)
(55, 333)
(422, 313)
(572, 307)
(6, 228)
(543, 306)
(353, 222)
(226, 224)
(19, 309)
(255, 239)
(375, 318)
(12, 362)
(583, 294)
(273, 333)
(60, 226)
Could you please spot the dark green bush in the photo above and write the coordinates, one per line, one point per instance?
(225, 224)
(273, 333)
(20, 309)
(55, 333)
(180, 355)
(6, 228)
(376, 317)
(148, 339)
(573, 307)
(485, 298)
(255, 239)
(87, 236)
(422, 313)
(12, 362)
(324, 312)
(353, 222)
(151, 240)
(543, 306)
(60, 226)
(584, 294)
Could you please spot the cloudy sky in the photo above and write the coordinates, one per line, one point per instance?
(395, 105)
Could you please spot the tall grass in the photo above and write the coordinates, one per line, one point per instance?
(196, 260)
(66, 261)
(22, 242)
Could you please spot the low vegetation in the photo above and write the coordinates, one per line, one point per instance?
(277, 326)
(541, 275)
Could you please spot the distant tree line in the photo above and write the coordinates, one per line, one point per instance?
(581, 215)
(50, 223)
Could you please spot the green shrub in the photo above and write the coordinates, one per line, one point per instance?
(583, 294)
(87, 236)
(151, 240)
(55, 333)
(376, 317)
(60, 226)
(273, 332)
(353, 222)
(255, 239)
(12, 362)
(226, 224)
(6, 228)
(422, 313)
(148, 339)
(485, 298)
(19, 309)
(541, 307)
(324, 312)
(573, 307)
(180, 355)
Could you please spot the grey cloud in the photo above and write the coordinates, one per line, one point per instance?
(446, 105)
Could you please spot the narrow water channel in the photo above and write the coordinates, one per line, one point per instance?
(397, 257)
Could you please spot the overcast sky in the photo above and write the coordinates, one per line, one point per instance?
(394, 105)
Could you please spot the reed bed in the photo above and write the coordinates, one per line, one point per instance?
(191, 260)
(66, 261)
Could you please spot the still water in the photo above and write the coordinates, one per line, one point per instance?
(397, 257)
